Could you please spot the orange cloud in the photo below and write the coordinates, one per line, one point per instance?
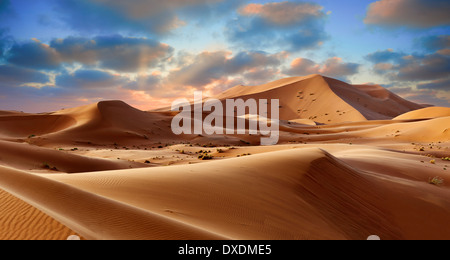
(333, 67)
(283, 13)
(411, 13)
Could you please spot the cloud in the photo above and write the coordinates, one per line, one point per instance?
(302, 67)
(144, 8)
(15, 76)
(208, 67)
(248, 60)
(333, 67)
(423, 96)
(441, 84)
(383, 68)
(297, 26)
(403, 67)
(35, 55)
(89, 79)
(135, 16)
(436, 43)
(122, 54)
(385, 56)
(428, 67)
(146, 82)
(208, 11)
(260, 76)
(409, 13)
(429, 73)
(283, 13)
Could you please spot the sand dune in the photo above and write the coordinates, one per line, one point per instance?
(92, 216)
(426, 113)
(314, 191)
(27, 157)
(113, 122)
(21, 221)
(108, 122)
(372, 101)
(26, 125)
(352, 161)
(433, 130)
(238, 201)
(292, 194)
(326, 100)
(304, 100)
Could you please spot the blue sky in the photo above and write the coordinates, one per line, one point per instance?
(63, 53)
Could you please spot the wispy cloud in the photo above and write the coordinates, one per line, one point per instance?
(208, 67)
(295, 26)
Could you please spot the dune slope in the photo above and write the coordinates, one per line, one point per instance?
(28, 157)
(94, 217)
(104, 123)
(295, 194)
(426, 113)
(21, 221)
(326, 100)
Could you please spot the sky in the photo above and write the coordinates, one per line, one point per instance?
(57, 54)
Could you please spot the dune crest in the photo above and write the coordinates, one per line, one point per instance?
(426, 113)
(326, 100)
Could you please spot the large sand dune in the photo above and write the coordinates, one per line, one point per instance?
(426, 113)
(352, 161)
(108, 122)
(292, 194)
(326, 100)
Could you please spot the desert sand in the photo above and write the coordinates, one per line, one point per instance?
(352, 161)
(21, 221)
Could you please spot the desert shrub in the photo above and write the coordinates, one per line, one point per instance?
(438, 181)
(205, 157)
(48, 167)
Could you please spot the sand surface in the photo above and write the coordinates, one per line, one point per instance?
(21, 221)
(352, 161)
